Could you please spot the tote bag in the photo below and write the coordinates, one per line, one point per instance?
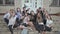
(49, 22)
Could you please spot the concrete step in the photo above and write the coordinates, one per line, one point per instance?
(9, 33)
(4, 28)
(19, 32)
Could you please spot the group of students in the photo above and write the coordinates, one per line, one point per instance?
(40, 21)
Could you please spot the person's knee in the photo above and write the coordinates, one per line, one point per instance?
(30, 24)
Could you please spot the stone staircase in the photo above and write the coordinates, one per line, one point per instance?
(4, 28)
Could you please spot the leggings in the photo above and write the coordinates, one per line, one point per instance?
(11, 29)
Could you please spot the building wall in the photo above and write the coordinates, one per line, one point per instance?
(51, 10)
(3, 9)
(19, 3)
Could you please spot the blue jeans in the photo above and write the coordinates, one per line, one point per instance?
(24, 31)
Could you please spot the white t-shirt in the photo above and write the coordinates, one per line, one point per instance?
(41, 23)
(12, 20)
(26, 19)
(7, 15)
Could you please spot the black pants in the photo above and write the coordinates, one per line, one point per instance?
(10, 26)
(11, 29)
(38, 27)
(44, 21)
(25, 24)
(48, 28)
(18, 22)
(6, 20)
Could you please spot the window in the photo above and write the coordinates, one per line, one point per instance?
(1, 1)
(6, 2)
(35, 3)
(9, 1)
(55, 3)
(26, 1)
(59, 2)
(35, 0)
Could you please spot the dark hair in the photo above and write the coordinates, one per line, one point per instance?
(31, 11)
(39, 7)
(24, 7)
(37, 11)
(17, 9)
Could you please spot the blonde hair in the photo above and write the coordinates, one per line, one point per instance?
(12, 12)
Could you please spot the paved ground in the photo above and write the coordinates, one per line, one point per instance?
(56, 29)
